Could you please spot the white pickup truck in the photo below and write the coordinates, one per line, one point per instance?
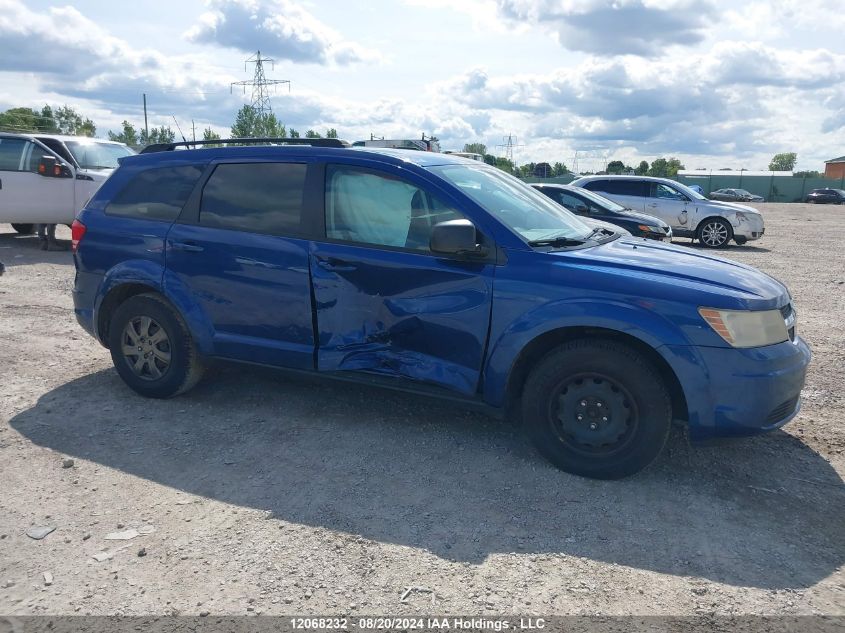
(47, 179)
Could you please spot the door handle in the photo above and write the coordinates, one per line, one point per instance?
(188, 247)
(335, 264)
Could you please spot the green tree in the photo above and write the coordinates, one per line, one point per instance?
(210, 135)
(476, 148)
(331, 133)
(506, 165)
(249, 124)
(664, 168)
(807, 174)
(616, 167)
(559, 169)
(69, 121)
(163, 134)
(783, 162)
(128, 135)
(312, 134)
(490, 159)
(293, 133)
(29, 120)
(641, 169)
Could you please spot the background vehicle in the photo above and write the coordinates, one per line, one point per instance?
(436, 274)
(690, 214)
(423, 145)
(826, 196)
(595, 207)
(735, 195)
(34, 191)
(470, 155)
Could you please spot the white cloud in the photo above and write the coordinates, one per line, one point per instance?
(280, 28)
(621, 27)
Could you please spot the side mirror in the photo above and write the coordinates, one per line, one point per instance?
(50, 167)
(456, 237)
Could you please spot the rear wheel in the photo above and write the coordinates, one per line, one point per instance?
(151, 348)
(24, 229)
(715, 232)
(597, 409)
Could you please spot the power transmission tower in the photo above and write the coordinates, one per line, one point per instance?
(509, 145)
(260, 94)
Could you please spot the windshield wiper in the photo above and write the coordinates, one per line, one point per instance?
(557, 241)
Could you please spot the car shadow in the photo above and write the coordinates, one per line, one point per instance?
(23, 250)
(396, 468)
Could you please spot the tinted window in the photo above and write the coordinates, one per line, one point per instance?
(11, 152)
(618, 187)
(571, 202)
(156, 194)
(659, 190)
(372, 208)
(255, 197)
(57, 147)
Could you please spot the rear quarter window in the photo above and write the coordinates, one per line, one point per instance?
(156, 194)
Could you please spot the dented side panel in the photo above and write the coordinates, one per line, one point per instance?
(401, 314)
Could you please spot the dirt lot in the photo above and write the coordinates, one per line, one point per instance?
(266, 494)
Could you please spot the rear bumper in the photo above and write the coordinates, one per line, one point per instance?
(740, 392)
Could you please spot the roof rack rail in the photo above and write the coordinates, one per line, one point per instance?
(314, 142)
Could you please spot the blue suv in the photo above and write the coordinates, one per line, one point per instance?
(417, 270)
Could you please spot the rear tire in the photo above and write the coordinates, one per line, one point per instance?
(715, 233)
(152, 349)
(596, 408)
(24, 229)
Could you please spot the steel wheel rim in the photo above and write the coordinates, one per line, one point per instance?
(714, 234)
(146, 348)
(609, 416)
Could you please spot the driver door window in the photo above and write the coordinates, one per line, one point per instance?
(369, 207)
(664, 192)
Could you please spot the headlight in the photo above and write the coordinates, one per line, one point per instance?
(745, 328)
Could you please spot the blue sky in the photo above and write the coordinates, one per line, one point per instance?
(717, 84)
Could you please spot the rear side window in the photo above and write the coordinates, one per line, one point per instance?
(11, 153)
(156, 194)
(618, 187)
(255, 197)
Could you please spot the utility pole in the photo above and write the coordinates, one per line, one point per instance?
(260, 103)
(193, 130)
(146, 127)
(509, 145)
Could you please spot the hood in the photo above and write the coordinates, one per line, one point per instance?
(729, 284)
(643, 217)
(592, 223)
(732, 206)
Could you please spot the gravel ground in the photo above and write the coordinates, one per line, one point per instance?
(259, 493)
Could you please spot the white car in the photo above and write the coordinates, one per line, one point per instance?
(47, 179)
(711, 222)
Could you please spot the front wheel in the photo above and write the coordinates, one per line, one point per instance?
(596, 408)
(152, 349)
(24, 229)
(715, 233)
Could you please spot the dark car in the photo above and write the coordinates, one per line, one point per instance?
(440, 275)
(735, 195)
(826, 196)
(592, 205)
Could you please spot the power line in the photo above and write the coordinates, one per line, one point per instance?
(260, 95)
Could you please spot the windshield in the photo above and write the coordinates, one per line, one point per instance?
(526, 211)
(94, 155)
(601, 201)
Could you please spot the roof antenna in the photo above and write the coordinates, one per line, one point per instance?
(178, 128)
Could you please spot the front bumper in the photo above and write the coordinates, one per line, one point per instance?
(738, 392)
(752, 228)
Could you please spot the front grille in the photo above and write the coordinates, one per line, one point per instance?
(781, 411)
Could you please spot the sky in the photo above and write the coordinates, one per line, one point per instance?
(718, 84)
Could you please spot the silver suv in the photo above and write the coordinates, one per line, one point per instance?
(711, 222)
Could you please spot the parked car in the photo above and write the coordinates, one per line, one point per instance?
(826, 196)
(46, 179)
(437, 274)
(735, 195)
(714, 224)
(595, 207)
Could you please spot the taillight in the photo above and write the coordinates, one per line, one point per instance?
(77, 232)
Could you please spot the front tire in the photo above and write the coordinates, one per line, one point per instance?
(715, 233)
(24, 229)
(596, 408)
(152, 349)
